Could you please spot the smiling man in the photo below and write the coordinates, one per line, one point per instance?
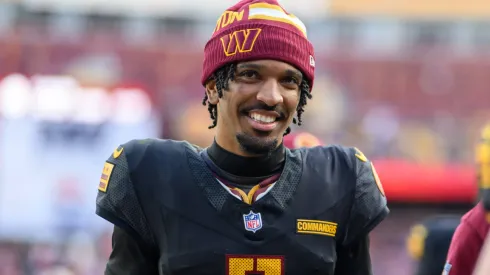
(246, 204)
(262, 101)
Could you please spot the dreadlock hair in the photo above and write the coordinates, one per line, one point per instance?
(227, 73)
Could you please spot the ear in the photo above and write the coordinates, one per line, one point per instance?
(212, 92)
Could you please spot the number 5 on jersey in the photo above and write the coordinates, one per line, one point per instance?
(254, 264)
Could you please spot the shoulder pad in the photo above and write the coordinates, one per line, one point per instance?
(369, 206)
(363, 167)
(331, 152)
(348, 155)
(137, 150)
(117, 199)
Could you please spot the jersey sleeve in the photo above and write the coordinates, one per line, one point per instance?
(354, 259)
(369, 205)
(117, 200)
(130, 257)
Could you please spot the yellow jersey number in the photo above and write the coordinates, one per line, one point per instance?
(251, 264)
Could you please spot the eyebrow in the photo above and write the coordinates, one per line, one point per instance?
(250, 66)
(289, 72)
(296, 73)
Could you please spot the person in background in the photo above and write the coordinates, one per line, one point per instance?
(429, 241)
(471, 233)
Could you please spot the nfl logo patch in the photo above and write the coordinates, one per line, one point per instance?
(252, 221)
(447, 268)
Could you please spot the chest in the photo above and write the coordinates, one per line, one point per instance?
(202, 229)
(253, 242)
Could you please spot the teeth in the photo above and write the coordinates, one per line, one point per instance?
(262, 118)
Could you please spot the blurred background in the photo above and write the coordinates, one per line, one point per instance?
(407, 82)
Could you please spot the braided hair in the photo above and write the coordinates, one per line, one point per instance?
(227, 73)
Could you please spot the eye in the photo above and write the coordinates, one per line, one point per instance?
(291, 80)
(249, 74)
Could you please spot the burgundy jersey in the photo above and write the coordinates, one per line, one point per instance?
(467, 242)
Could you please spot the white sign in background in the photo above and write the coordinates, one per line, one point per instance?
(51, 161)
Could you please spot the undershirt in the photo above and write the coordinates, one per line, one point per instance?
(244, 172)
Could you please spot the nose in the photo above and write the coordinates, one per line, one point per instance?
(270, 93)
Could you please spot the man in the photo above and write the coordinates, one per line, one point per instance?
(246, 204)
(472, 231)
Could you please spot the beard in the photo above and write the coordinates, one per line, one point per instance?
(256, 145)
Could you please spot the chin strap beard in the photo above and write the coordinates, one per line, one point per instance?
(256, 145)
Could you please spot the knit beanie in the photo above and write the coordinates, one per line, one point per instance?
(258, 29)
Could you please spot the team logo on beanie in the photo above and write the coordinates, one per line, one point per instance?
(227, 18)
(241, 41)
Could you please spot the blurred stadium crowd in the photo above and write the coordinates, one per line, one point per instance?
(404, 82)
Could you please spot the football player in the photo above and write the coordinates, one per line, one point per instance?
(246, 204)
(473, 229)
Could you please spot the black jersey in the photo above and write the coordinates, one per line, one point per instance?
(162, 193)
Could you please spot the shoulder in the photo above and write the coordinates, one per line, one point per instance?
(137, 147)
(139, 150)
(476, 213)
(348, 161)
(476, 219)
(467, 241)
(334, 153)
(128, 176)
(347, 167)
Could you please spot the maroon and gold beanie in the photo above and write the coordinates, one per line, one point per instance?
(258, 29)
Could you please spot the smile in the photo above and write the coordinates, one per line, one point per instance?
(262, 118)
(263, 121)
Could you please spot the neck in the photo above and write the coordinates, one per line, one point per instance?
(249, 166)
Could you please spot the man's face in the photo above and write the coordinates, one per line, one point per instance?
(258, 106)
